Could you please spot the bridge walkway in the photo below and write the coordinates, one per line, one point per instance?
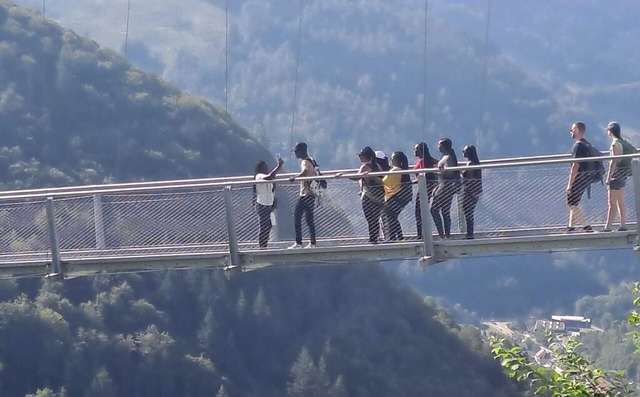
(211, 222)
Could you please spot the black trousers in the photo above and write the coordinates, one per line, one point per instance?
(441, 208)
(305, 205)
(469, 203)
(372, 210)
(392, 209)
(264, 216)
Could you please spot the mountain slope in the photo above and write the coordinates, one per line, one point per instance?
(73, 112)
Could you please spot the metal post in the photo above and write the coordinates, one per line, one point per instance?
(231, 228)
(56, 266)
(635, 169)
(98, 221)
(427, 238)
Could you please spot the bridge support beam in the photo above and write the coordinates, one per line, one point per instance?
(56, 265)
(234, 254)
(427, 238)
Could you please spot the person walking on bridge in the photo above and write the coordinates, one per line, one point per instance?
(425, 160)
(306, 199)
(616, 179)
(447, 188)
(471, 188)
(372, 192)
(397, 194)
(265, 199)
(579, 177)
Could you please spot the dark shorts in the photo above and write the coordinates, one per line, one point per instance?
(618, 183)
(580, 184)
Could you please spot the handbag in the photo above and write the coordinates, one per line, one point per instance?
(618, 183)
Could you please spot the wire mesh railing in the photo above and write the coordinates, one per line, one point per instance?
(525, 198)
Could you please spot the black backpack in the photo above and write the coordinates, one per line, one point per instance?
(595, 168)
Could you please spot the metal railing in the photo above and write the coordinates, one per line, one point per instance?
(214, 218)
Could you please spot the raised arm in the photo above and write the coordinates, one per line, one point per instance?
(275, 170)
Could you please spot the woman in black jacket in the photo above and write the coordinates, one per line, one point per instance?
(471, 188)
(447, 188)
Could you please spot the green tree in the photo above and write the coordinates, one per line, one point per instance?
(308, 380)
(222, 392)
(102, 385)
(206, 333)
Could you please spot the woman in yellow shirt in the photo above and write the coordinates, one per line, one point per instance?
(397, 194)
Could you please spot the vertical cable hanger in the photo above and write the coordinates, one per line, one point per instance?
(424, 75)
(295, 80)
(483, 81)
(226, 55)
(44, 8)
(126, 32)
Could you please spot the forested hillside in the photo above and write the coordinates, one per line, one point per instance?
(583, 52)
(330, 331)
(72, 112)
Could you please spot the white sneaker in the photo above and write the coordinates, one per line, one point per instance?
(310, 246)
(295, 246)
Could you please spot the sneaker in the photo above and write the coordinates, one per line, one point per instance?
(622, 229)
(310, 245)
(469, 237)
(295, 246)
(588, 229)
(571, 229)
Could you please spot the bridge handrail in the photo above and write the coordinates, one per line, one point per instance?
(247, 180)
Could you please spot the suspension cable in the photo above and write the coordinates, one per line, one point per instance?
(126, 32)
(483, 81)
(424, 75)
(295, 80)
(226, 55)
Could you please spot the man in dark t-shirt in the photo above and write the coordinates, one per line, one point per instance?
(579, 178)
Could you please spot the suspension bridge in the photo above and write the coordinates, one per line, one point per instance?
(210, 223)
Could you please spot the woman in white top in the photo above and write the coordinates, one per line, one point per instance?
(265, 198)
(615, 180)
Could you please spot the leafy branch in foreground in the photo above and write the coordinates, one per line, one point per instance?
(634, 316)
(571, 375)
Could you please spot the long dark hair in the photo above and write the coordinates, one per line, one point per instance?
(448, 148)
(471, 153)
(402, 159)
(260, 168)
(404, 165)
(426, 155)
